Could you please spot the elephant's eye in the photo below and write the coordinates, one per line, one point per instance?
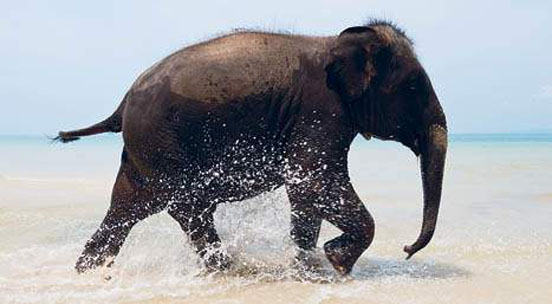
(414, 87)
(411, 87)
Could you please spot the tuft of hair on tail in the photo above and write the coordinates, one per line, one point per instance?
(64, 137)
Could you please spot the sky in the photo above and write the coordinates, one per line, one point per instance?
(67, 64)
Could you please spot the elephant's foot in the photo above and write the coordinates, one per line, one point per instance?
(216, 260)
(102, 248)
(343, 252)
(88, 261)
(307, 261)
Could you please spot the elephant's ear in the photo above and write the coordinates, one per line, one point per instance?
(348, 72)
(353, 61)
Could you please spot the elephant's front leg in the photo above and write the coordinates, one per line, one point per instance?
(319, 186)
(342, 207)
(305, 228)
(336, 202)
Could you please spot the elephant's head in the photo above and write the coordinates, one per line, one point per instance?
(388, 95)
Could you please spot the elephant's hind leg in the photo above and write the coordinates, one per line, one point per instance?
(130, 203)
(196, 220)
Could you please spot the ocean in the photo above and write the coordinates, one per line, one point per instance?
(493, 242)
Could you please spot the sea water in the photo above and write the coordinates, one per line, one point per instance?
(493, 242)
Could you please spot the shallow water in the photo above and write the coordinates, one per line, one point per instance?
(493, 242)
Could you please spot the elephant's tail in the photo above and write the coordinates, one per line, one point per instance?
(111, 124)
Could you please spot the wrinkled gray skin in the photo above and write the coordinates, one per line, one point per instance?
(245, 113)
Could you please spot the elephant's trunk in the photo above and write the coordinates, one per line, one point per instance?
(433, 153)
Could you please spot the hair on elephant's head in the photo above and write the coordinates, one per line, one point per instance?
(387, 93)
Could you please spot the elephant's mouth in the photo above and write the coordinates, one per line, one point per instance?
(366, 135)
(415, 146)
(410, 141)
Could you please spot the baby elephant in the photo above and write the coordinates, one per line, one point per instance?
(242, 114)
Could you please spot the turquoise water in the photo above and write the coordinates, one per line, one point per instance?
(493, 242)
(502, 137)
(461, 137)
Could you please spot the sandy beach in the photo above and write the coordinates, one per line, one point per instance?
(493, 242)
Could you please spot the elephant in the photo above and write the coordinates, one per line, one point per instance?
(248, 112)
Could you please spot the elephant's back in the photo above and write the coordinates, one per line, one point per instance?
(232, 67)
(228, 76)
